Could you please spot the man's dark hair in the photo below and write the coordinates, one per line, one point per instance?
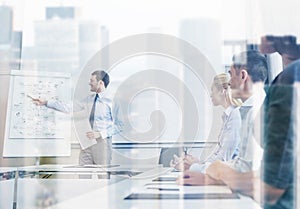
(102, 76)
(254, 62)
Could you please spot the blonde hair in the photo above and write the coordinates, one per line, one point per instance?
(221, 82)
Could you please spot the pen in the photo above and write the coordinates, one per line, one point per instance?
(30, 97)
(33, 99)
(163, 189)
(185, 150)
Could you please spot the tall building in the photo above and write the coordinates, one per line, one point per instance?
(56, 45)
(16, 44)
(60, 12)
(55, 41)
(89, 41)
(6, 22)
(205, 35)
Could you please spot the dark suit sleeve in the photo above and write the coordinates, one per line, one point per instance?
(278, 160)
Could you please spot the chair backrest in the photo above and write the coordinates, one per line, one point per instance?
(166, 155)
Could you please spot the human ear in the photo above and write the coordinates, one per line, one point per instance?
(244, 74)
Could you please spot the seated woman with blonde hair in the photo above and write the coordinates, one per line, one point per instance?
(229, 136)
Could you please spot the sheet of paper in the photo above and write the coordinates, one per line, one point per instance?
(172, 175)
(170, 179)
(160, 183)
(174, 188)
(82, 127)
(181, 196)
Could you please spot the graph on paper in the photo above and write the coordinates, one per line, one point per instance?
(28, 120)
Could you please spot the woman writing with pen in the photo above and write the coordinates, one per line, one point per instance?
(229, 136)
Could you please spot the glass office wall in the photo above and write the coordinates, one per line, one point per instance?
(161, 56)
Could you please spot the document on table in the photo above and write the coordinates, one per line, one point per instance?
(82, 127)
(92, 166)
(149, 196)
(173, 191)
(172, 174)
(166, 178)
(170, 177)
(173, 188)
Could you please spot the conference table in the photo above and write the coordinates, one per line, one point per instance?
(7, 186)
(46, 185)
(156, 188)
(126, 186)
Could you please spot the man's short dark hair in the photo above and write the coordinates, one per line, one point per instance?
(254, 62)
(102, 76)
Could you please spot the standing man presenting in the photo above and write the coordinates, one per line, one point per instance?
(103, 118)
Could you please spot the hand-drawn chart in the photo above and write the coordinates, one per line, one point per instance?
(28, 120)
(33, 130)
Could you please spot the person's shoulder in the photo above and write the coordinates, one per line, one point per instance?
(89, 97)
(235, 109)
(235, 112)
(289, 75)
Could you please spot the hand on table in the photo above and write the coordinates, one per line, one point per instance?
(183, 162)
(196, 179)
(215, 169)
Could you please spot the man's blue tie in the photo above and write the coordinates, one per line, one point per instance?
(92, 115)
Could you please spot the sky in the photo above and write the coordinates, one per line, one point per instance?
(239, 19)
(123, 17)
